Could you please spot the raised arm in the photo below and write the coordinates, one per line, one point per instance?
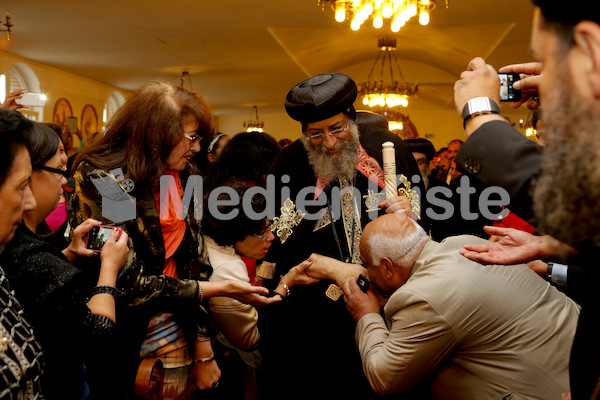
(324, 267)
(479, 80)
(113, 256)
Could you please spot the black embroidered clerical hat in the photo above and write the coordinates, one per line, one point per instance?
(321, 97)
(570, 12)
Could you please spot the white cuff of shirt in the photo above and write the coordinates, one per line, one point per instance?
(559, 274)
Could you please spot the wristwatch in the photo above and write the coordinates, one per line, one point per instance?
(479, 106)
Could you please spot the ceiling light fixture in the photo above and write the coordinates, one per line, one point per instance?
(531, 125)
(376, 91)
(400, 124)
(254, 125)
(8, 26)
(186, 75)
(398, 11)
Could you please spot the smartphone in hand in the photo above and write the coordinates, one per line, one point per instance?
(507, 92)
(363, 282)
(98, 236)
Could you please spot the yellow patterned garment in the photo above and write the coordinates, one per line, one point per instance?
(165, 341)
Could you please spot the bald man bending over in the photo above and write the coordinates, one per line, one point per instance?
(462, 329)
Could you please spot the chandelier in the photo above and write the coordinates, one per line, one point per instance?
(398, 11)
(376, 92)
(531, 124)
(399, 123)
(254, 125)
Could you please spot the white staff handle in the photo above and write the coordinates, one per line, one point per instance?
(389, 169)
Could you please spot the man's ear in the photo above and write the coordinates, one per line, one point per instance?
(387, 267)
(587, 38)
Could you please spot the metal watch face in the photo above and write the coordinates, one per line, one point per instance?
(479, 104)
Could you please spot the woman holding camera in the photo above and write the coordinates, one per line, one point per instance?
(72, 318)
(153, 135)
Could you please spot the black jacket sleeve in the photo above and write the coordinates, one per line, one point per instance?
(498, 155)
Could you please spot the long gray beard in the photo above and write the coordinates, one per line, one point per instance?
(339, 165)
(568, 188)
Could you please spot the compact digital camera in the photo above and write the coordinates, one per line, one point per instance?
(32, 100)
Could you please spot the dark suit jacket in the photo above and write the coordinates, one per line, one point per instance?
(496, 144)
(498, 155)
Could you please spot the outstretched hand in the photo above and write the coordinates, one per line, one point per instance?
(298, 276)
(249, 294)
(323, 267)
(513, 247)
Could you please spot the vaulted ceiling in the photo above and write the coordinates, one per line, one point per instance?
(241, 53)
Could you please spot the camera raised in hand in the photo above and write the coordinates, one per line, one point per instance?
(32, 100)
(507, 92)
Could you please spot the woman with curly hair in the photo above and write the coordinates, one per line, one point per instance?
(235, 227)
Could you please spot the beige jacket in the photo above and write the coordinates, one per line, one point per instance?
(236, 320)
(479, 331)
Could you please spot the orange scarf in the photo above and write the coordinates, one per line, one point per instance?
(172, 228)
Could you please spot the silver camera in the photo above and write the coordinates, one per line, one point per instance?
(32, 100)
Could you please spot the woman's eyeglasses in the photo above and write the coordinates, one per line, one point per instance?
(265, 235)
(192, 139)
(62, 173)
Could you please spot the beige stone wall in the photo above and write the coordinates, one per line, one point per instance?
(56, 84)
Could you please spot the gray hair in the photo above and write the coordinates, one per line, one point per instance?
(399, 249)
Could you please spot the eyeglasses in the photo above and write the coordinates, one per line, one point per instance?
(192, 139)
(62, 173)
(317, 137)
(264, 236)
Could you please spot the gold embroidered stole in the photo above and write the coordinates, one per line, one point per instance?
(351, 220)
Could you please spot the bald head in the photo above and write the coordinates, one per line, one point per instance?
(398, 238)
(389, 224)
